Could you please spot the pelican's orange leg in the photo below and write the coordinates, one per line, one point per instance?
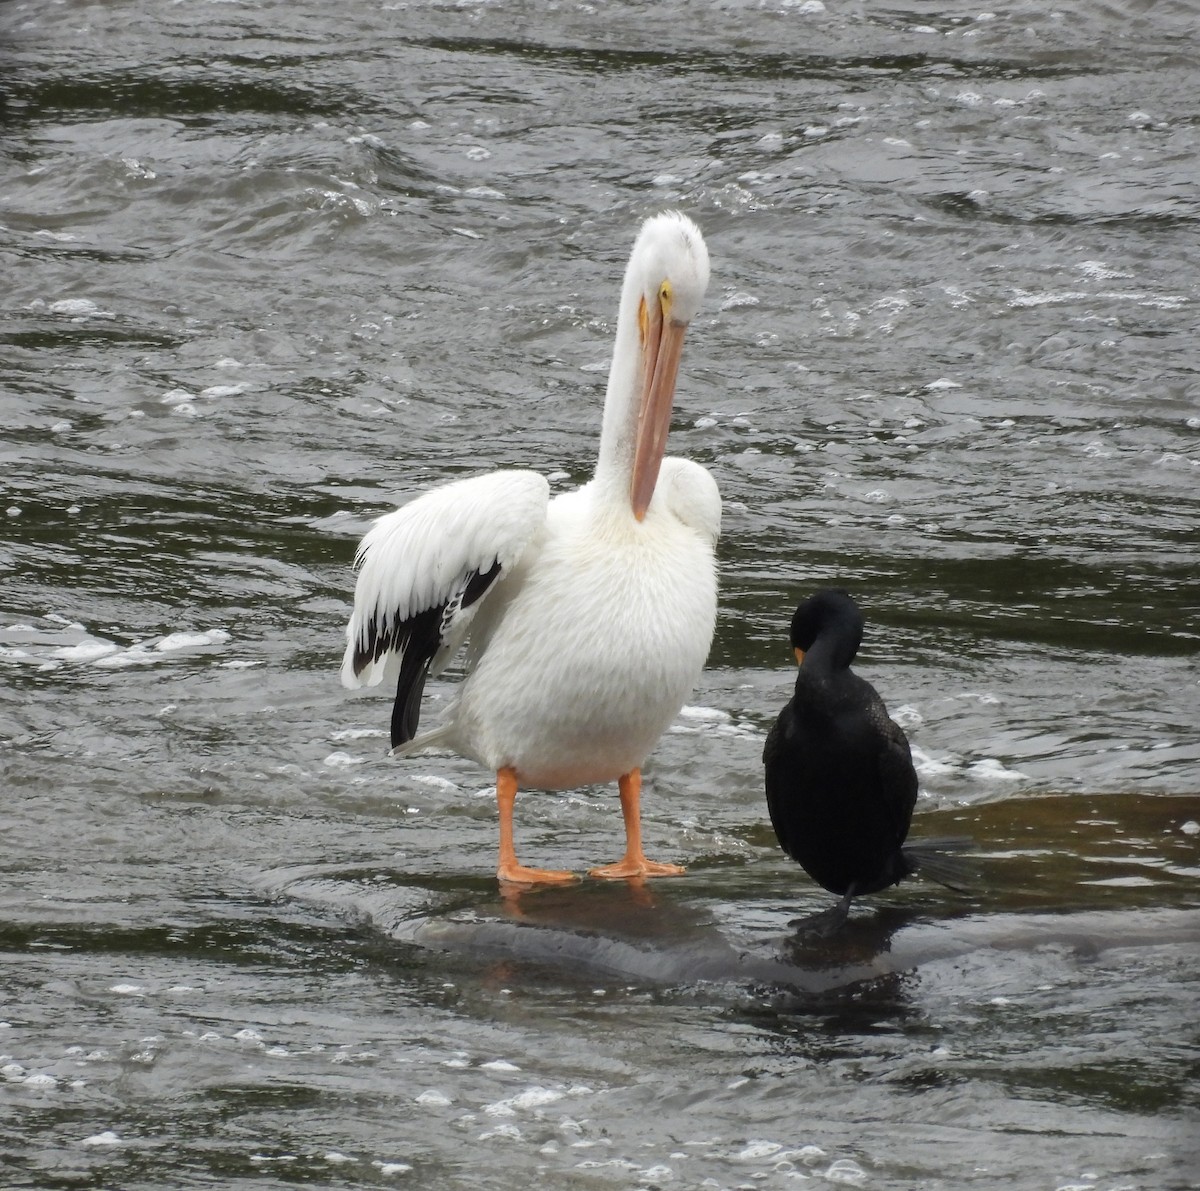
(509, 868)
(634, 863)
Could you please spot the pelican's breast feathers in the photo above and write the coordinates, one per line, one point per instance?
(691, 494)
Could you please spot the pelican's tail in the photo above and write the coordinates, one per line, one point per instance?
(430, 739)
(941, 860)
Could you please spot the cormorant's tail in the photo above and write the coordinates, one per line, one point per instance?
(942, 860)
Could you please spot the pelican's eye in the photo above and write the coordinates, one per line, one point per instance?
(665, 296)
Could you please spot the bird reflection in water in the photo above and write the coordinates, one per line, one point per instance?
(650, 936)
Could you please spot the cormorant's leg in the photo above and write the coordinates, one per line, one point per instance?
(826, 923)
(634, 862)
(509, 868)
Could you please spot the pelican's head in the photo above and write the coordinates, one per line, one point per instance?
(669, 270)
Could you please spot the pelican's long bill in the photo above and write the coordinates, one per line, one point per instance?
(662, 348)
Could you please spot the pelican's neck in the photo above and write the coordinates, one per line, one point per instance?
(614, 464)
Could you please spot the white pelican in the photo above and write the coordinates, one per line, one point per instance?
(590, 615)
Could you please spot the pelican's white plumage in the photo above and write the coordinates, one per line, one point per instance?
(589, 616)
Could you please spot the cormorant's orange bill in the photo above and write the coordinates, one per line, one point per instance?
(799, 656)
(662, 347)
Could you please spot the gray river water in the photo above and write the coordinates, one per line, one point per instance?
(270, 268)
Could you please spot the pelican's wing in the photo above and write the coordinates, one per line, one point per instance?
(422, 573)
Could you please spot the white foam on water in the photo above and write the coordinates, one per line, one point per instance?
(434, 1099)
(340, 760)
(147, 653)
(508, 1131)
(736, 299)
(536, 1097)
(74, 307)
(85, 651)
(989, 769)
(433, 782)
(532, 1098)
(191, 640)
(107, 1138)
(930, 766)
(390, 1168)
(984, 698)
(847, 1172)
(356, 733)
(498, 1064)
(756, 1151)
(1099, 271)
(809, 1155)
(708, 714)
(135, 655)
(656, 1174)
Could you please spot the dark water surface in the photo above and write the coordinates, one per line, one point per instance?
(270, 267)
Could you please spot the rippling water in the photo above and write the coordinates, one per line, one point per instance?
(272, 267)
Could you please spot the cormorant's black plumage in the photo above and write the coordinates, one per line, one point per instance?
(840, 781)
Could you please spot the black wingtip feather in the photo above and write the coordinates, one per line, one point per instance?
(419, 638)
(406, 711)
